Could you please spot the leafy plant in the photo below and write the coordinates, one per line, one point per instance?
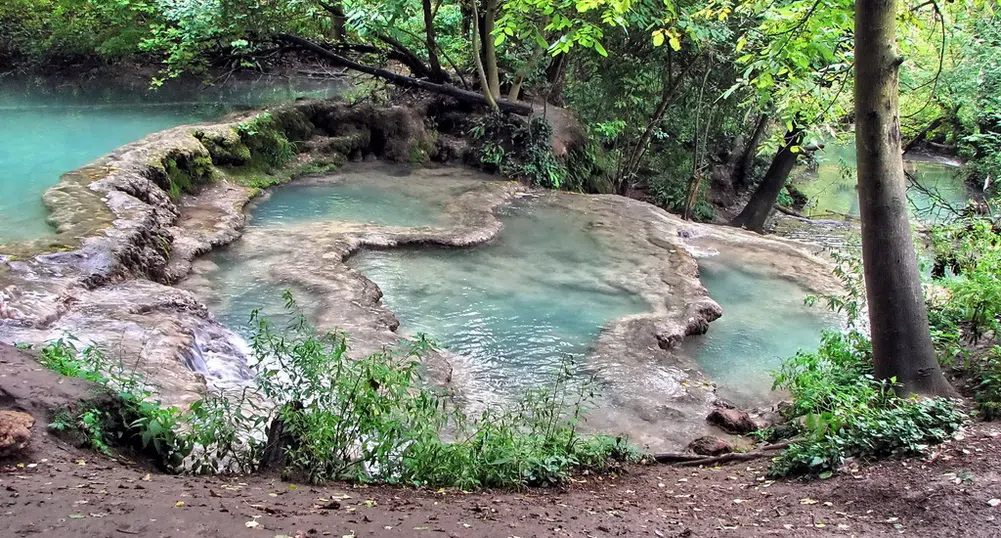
(847, 413)
(267, 141)
(843, 410)
(519, 151)
(375, 419)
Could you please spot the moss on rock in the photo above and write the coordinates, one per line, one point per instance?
(225, 150)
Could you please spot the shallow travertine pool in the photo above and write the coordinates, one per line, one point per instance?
(589, 277)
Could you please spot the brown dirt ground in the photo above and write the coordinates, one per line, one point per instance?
(57, 490)
(77, 493)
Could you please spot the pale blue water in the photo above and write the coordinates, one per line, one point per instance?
(516, 306)
(48, 128)
(352, 202)
(764, 321)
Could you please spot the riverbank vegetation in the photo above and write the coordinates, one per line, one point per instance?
(315, 414)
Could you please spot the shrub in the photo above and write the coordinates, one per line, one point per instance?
(376, 420)
(519, 151)
(265, 137)
(846, 412)
(975, 291)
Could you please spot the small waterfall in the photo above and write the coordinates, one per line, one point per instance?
(220, 355)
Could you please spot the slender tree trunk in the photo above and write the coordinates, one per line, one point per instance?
(337, 20)
(434, 64)
(758, 208)
(484, 85)
(901, 343)
(743, 169)
(555, 75)
(635, 156)
(490, 50)
(921, 136)
(519, 77)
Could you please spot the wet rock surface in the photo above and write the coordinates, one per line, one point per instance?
(735, 421)
(710, 445)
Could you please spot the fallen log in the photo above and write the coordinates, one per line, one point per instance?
(694, 460)
(466, 96)
(791, 212)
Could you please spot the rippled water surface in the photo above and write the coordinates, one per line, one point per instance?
(764, 320)
(519, 304)
(49, 128)
(514, 306)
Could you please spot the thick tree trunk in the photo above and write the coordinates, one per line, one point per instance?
(489, 49)
(758, 208)
(403, 80)
(901, 344)
(437, 74)
(742, 172)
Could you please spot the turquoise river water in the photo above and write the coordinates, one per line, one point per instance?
(830, 185)
(49, 128)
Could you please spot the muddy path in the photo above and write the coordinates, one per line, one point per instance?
(70, 493)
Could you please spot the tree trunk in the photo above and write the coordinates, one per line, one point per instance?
(921, 136)
(756, 211)
(484, 85)
(437, 74)
(406, 56)
(337, 20)
(555, 75)
(489, 49)
(742, 171)
(901, 344)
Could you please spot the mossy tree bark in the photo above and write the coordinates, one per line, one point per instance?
(756, 212)
(901, 342)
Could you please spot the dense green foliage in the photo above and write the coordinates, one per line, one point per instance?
(846, 413)
(965, 303)
(368, 420)
(669, 91)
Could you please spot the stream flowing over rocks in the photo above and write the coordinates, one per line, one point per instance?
(124, 270)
